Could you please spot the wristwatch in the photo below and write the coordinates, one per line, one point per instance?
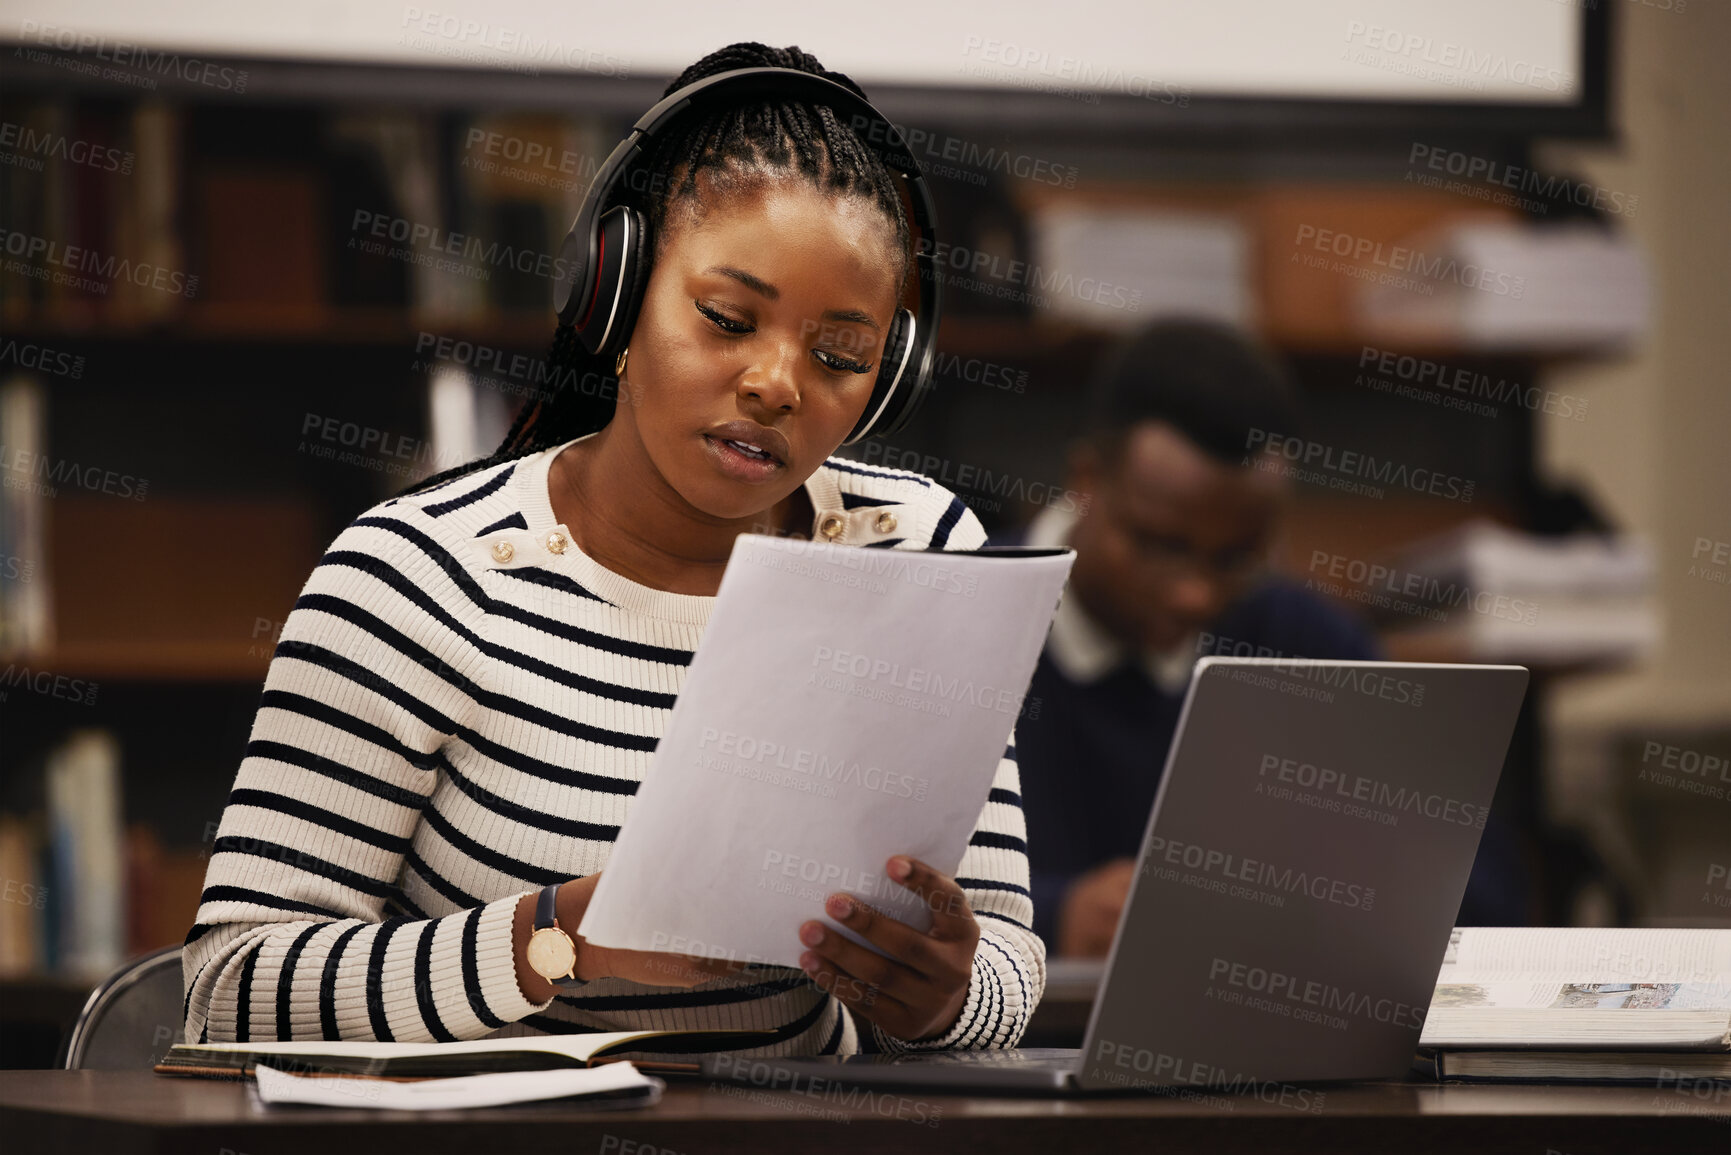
(551, 952)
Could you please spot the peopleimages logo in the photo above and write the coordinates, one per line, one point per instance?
(1027, 64)
(1313, 993)
(463, 246)
(26, 355)
(1162, 1067)
(812, 764)
(512, 48)
(1513, 176)
(1368, 680)
(76, 259)
(936, 148)
(1448, 62)
(829, 665)
(32, 144)
(974, 480)
(1358, 788)
(889, 565)
(1435, 382)
(189, 69)
(1400, 259)
(1257, 872)
(1352, 471)
(1389, 587)
(991, 275)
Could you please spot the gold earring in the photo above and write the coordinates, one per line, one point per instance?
(619, 362)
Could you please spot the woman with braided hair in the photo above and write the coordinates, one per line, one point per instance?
(470, 687)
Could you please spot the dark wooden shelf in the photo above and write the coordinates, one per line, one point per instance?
(962, 335)
(333, 325)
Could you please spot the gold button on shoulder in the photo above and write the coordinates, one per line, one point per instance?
(885, 522)
(556, 542)
(502, 551)
(831, 526)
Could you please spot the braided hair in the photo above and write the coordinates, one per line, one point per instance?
(735, 144)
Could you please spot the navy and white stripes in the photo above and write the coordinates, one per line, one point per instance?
(441, 733)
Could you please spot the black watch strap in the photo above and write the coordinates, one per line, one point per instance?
(546, 906)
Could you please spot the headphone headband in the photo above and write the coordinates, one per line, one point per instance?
(576, 287)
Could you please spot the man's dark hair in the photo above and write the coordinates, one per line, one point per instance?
(732, 144)
(1206, 379)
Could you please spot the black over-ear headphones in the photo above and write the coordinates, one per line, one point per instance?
(604, 263)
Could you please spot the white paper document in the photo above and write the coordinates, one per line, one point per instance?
(492, 1090)
(845, 705)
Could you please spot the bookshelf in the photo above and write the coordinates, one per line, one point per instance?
(171, 603)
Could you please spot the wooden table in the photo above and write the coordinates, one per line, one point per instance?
(114, 1112)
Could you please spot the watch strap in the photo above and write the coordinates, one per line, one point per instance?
(546, 906)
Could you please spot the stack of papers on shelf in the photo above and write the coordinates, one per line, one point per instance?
(1582, 1003)
(1120, 268)
(1501, 285)
(1501, 596)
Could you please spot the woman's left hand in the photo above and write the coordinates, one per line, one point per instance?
(919, 996)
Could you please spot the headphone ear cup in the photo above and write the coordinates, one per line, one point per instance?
(642, 260)
(900, 386)
(605, 324)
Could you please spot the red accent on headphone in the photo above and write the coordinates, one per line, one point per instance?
(595, 295)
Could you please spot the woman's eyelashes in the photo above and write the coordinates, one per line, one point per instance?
(722, 321)
(841, 364)
(734, 327)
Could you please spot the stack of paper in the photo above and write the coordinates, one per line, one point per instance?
(1496, 285)
(1120, 268)
(1501, 596)
(614, 1085)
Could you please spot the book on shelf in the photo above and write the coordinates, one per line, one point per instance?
(1601, 1004)
(24, 903)
(26, 593)
(87, 892)
(372, 1060)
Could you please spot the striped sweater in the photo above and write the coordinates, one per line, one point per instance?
(447, 724)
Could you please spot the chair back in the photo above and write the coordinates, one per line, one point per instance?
(132, 1017)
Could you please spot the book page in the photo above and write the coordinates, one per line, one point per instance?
(846, 705)
(580, 1048)
(1587, 955)
(1586, 996)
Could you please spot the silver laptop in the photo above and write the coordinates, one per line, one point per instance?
(1302, 868)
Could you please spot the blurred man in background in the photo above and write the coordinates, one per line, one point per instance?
(1172, 537)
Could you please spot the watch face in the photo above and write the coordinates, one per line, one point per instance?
(551, 952)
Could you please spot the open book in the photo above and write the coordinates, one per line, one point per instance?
(1582, 1003)
(447, 1060)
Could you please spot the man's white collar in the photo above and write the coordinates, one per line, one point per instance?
(1078, 645)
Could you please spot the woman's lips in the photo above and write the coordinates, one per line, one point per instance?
(740, 461)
